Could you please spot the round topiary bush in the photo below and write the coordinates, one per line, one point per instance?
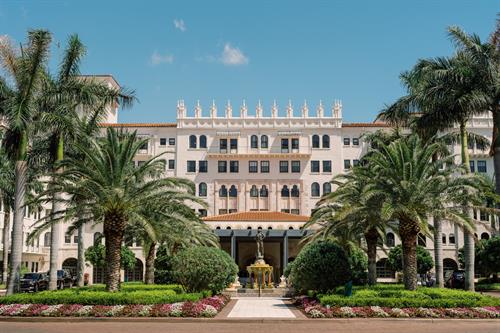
(320, 266)
(202, 268)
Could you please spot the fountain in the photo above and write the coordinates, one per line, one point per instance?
(262, 272)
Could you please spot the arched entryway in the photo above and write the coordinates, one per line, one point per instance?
(449, 265)
(71, 265)
(136, 273)
(384, 271)
(97, 274)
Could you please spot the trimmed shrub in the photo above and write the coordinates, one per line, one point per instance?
(204, 268)
(163, 266)
(424, 259)
(320, 266)
(359, 266)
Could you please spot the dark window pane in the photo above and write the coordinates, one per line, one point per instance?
(191, 166)
(347, 141)
(233, 166)
(327, 166)
(283, 166)
(264, 141)
(315, 141)
(163, 141)
(252, 166)
(295, 166)
(264, 166)
(202, 166)
(326, 141)
(222, 166)
(314, 166)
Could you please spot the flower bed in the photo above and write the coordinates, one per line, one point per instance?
(206, 307)
(314, 309)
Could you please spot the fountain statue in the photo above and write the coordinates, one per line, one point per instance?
(259, 238)
(262, 272)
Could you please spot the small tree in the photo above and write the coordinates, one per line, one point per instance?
(359, 266)
(163, 266)
(424, 259)
(96, 255)
(488, 257)
(320, 266)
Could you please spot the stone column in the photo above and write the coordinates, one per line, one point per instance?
(285, 251)
(233, 246)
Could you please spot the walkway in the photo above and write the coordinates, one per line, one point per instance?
(264, 307)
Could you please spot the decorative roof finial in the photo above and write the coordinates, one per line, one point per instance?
(258, 110)
(320, 111)
(274, 110)
(213, 110)
(305, 110)
(181, 110)
(197, 110)
(289, 109)
(337, 109)
(243, 110)
(229, 110)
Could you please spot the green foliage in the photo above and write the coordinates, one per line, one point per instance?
(487, 256)
(204, 268)
(96, 255)
(424, 259)
(396, 296)
(130, 293)
(359, 266)
(320, 266)
(163, 266)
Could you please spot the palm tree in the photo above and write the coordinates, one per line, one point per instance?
(26, 68)
(411, 187)
(6, 200)
(61, 97)
(111, 190)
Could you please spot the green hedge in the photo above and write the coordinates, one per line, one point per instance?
(90, 297)
(487, 286)
(396, 296)
(138, 286)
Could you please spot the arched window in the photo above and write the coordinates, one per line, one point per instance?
(192, 141)
(315, 190)
(269, 228)
(249, 228)
(202, 189)
(290, 228)
(46, 239)
(285, 192)
(451, 239)
(390, 239)
(264, 192)
(326, 141)
(203, 141)
(228, 228)
(327, 188)
(384, 270)
(223, 191)
(233, 192)
(264, 141)
(295, 191)
(97, 238)
(254, 142)
(218, 227)
(485, 236)
(254, 192)
(315, 141)
(443, 239)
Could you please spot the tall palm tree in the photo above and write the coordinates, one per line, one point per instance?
(7, 201)
(26, 68)
(62, 95)
(412, 187)
(111, 190)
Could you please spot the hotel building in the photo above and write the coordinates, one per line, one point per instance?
(258, 169)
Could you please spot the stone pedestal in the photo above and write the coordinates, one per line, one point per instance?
(262, 274)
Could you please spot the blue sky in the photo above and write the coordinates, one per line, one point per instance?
(298, 50)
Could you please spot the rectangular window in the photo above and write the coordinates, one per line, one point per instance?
(163, 141)
(483, 216)
(355, 162)
(284, 145)
(283, 166)
(171, 164)
(202, 212)
(347, 164)
(295, 143)
(144, 146)
(203, 166)
(472, 168)
(234, 166)
(295, 211)
(284, 210)
(171, 141)
(347, 141)
(252, 167)
(327, 166)
(233, 211)
(295, 166)
(314, 166)
(234, 144)
(222, 211)
(355, 141)
(481, 166)
(191, 166)
(75, 239)
(264, 166)
(140, 163)
(67, 239)
(223, 145)
(222, 166)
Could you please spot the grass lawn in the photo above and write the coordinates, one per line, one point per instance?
(130, 293)
(394, 295)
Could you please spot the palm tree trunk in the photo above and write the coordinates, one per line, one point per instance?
(81, 258)
(6, 243)
(114, 227)
(371, 244)
(150, 264)
(55, 231)
(17, 227)
(410, 261)
(469, 253)
(438, 252)
(495, 149)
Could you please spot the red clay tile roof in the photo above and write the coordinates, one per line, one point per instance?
(377, 124)
(138, 125)
(258, 216)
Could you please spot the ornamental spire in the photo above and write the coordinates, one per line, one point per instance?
(213, 110)
(320, 111)
(197, 110)
(274, 110)
(305, 110)
(258, 110)
(229, 110)
(243, 110)
(289, 109)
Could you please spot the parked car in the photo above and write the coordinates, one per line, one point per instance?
(34, 282)
(456, 280)
(64, 279)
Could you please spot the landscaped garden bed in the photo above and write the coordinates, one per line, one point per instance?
(386, 301)
(133, 300)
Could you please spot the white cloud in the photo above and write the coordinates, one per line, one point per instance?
(157, 58)
(233, 56)
(179, 24)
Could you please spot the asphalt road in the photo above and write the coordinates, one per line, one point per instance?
(309, 326)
